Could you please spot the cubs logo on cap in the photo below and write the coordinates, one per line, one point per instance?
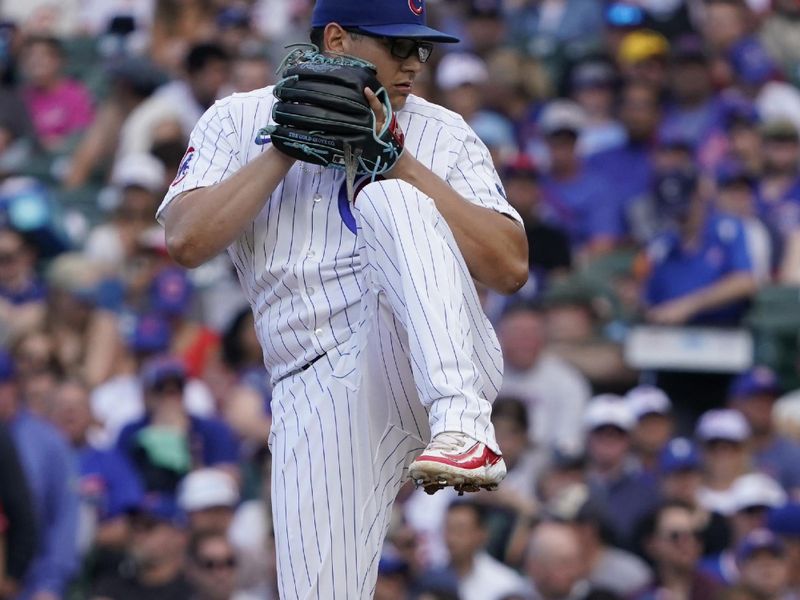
(385, 18)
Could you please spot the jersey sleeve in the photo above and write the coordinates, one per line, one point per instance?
(473, 176)
(212, 156)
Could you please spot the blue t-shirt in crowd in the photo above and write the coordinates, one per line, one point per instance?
(582, 206)
(781, 215)
(629, 168)
(780, 460)
(52, 476)
(678, 271)
(108, 482)
(34, 291)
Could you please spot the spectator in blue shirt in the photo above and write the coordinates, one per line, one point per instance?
(753, 393)
(22, 292)
(576, 196)
(779, 189)
(701, 271)
(108, 485)
(50, 469)
(168, 442)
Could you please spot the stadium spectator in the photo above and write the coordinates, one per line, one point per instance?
(763, 565)
(209, 498)
(211, 567)
(107, 484)
(753, 394)
(785, 522)
(479, 576)
(51, 475)
(592, 85)
(672, 541)
(612, 471)
(61, 108)
(555, 566)
(156, 560)
(554, 391)
(22, 291)
(168, 442)
(654, 423)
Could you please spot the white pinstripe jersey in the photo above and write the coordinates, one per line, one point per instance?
(298, 262)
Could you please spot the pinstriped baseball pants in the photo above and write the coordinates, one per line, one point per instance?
(423, 359)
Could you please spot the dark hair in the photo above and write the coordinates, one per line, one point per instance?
(201, 55)
(647, 525)
(50, 41)
(317, 36)
(479, 510)
(507, 407)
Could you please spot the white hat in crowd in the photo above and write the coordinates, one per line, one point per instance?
(207, 488)
(756, 489)
(461, 68)
(609, 410)
(141, 170)
(723, 424)
(647, 400)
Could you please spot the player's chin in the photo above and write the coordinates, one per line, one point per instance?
(399, 97)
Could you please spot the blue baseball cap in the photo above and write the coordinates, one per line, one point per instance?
(680, 454)
(161, 507)
(150, 334)
(758, 380)
(732, 173)
(751, 63)
(389, 18)
(161, 368)
(759, 540)
(785, 520)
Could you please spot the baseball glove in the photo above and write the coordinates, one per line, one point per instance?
(323, 117)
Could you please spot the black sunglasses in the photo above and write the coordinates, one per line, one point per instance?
(402, 47)
(676, 535)
(211, 564)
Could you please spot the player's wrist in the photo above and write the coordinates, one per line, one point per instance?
(275, 154)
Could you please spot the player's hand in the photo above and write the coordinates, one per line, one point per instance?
(377, 108)
(674, 312)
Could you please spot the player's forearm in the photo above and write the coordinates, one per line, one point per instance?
(494, 247)
(201, 223)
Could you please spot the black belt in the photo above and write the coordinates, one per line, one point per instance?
(305, 367)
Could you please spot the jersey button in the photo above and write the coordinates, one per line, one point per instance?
(310, 290)
(317, 198)
(318, 332)
(311, 254)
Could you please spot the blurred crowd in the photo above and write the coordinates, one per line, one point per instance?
(652, 148)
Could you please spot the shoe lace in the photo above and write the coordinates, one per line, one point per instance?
(449, 442)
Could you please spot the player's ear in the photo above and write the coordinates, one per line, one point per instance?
(334, 38)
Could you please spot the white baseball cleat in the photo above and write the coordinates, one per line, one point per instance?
(456, 459)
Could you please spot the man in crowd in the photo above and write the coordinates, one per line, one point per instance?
(763, 566)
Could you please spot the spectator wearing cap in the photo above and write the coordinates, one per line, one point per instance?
(393, 575)
(652, 410)
(521, 180)
(785, 523)
(209, 498)
(764, 566)
(694, 110)
(753, 393)
(592, 85)
(723, 435)
(726, 22)
(173, 110)
(120, 401)
(462, 77)
(168, 442)
(479, 576)
(252, 70)
(740, 126)
(701, 271)
(108, 485)
(51, 476)
(642, 57)
(156, 555)
(22, 291)
(555, 565)
(137, 184)
(680, 478)
(554, 392)
(672, 540)
(751, 498)
(609, 567)
(630, 166)
(60, 107)
(575, 196)
(613, 473)
(736, 195)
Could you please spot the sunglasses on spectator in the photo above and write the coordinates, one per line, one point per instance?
(676, 535)
(9, 257)
(216, 564)
(754, 511)
(170, 385)
(402, 47)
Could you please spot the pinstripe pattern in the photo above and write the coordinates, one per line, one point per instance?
(409, 351)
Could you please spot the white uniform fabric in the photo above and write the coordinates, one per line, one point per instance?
(381, 293)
